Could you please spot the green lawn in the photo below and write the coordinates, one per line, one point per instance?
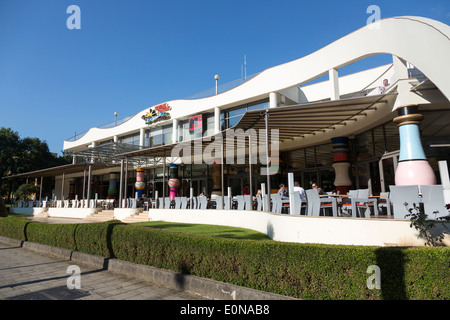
(206, 230)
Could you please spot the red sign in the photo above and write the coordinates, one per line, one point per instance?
(162, 107)
(195, 124)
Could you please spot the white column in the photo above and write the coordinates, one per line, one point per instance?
(273, 100)
(175, 131)
(216, 120)
(141, 137)
(334, 84)
(116, 139)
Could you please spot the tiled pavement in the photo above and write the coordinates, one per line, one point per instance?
(26, 275)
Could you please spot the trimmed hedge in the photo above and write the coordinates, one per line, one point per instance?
(57, 235)
(308, 271)
(14, 227)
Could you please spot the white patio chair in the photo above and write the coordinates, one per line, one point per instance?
(240, 202)
(315, 204)
(183, 201)
(359, 199)
(219, 202)
(167, 203)
(203, 202)
(385, 202)
(177, 203)
(194, 203)
(433, 201)
(248, 202)
(401, 195)
(299, 204)
(276, 203)
(226, 203)
(259, 203)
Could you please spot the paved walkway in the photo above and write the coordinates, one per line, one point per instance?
(26, 275)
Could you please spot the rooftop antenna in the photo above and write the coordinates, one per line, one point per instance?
(245, 67)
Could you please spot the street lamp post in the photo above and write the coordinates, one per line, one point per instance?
(216, 77)
(115, 115)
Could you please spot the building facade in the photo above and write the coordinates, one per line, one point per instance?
(369, 129)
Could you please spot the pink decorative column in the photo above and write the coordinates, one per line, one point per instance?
(140, 184)
(413, 167)
(174, 183)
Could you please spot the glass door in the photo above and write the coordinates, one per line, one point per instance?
(387, 167)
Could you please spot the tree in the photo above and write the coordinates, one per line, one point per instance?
(23, 155)
(3, 211)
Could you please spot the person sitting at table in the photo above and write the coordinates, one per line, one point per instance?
(319, 189)
(282, 192)
(299, 189)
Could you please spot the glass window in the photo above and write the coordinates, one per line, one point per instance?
(132, 139)
(231, 117)
(392, 137)
(297, 159)
(310, 157)
(364, 146)
(324, 155)
(379, 141)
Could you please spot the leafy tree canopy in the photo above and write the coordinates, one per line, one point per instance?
(19, 155)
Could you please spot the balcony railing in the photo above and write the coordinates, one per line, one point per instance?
(203, 94)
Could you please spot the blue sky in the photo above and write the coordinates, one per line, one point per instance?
(130, 55)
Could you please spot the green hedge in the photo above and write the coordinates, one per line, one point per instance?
(57, 235)
(14, 227)
(308, 271)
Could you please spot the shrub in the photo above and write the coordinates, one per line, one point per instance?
(57, 235)
(14, 227)
(94, 238)
(308, 271)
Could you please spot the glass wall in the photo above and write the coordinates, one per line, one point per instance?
(158, 136)
(132, 139)
(207, 128)
(230, 117)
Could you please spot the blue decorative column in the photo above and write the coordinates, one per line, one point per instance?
(413, 167)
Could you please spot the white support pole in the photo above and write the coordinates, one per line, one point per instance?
(62, 186)
(334, 84)
(89, 186)
(175, 131)
(216, 120)
(141, 137)
(273, 100)
(264, 197)
(121, 184)
(445, 180)
(291, 192)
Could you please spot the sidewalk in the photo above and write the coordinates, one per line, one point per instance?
(27, 275)
(33, 271)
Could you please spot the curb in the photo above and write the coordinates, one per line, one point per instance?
(203, 287)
